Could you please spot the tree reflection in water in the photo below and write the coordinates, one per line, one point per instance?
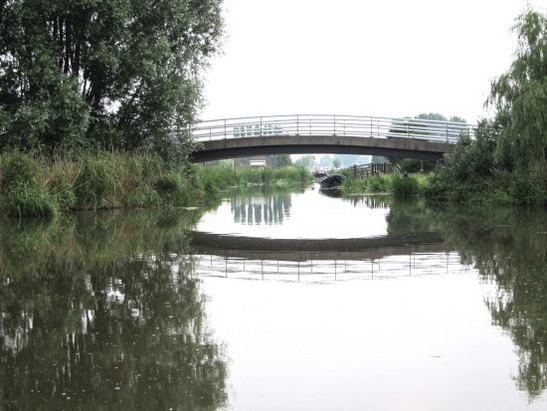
(107, 316)
(509, 247)
(266, 209)
(103, 312)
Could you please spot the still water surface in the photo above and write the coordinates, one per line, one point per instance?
(276, 301)
(381, 327)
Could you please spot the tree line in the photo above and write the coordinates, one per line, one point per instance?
(96, 74)
(506, 161)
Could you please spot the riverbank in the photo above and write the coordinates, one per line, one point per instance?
(34, 186)
(496, 189)
(398, 185)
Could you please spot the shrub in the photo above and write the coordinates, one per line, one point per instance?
(403, 187)
(378, 184)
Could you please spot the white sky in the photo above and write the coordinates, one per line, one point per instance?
(363, 57)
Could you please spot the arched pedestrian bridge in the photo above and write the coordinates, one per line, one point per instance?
(336, 134)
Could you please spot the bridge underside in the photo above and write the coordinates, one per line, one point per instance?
(252, 146)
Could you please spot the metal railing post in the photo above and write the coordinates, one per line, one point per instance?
(297, 125)
(334, 124)
(378, 127)
(225, 131)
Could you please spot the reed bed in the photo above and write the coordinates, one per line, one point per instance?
(36, 186)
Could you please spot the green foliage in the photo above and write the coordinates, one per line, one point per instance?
(380, 183)
(61, 189)
(214, 179)
(520, 97)
(403, 187)
(17, 168)
(306, 161)
(464, 173)
(528, 187)
(95, 182)
(279, 161)
(507, 161)
(412, 165)
(122, 74)
(292, 176)
(175, 190)
(251, 176)
(431, 116)
(21, 185)
(398, 185)
(26, 200)
(99, 181)
(325, 162)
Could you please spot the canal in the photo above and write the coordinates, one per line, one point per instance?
(276, 301)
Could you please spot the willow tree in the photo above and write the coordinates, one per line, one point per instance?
(520, 99)
(116, 74)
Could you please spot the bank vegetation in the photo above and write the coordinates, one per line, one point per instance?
(47, 186)
(506, 161)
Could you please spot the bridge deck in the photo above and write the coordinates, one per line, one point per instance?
(398, 137)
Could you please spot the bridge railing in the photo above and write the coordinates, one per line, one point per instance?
(332, 125)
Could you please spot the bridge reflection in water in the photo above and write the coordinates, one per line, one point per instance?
(319, 261)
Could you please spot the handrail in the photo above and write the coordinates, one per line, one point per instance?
(332, 125)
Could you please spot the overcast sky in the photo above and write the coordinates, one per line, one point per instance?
(389, 58)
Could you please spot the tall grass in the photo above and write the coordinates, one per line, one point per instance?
(28, 200)
(22, 190)
(396, 184)
(218, 178)
(34, 186)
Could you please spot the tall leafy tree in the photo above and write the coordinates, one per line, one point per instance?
(325, 161)
(279, 160)
(306, 161)
(520, 98)
(116, 74)
(431, 116)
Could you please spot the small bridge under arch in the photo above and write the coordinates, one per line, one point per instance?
(336, 134)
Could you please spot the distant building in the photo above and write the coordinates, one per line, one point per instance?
(257, 163)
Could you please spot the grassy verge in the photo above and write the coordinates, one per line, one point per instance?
(214, 179)
(34, 186)
(38, 187)
(395, 184)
